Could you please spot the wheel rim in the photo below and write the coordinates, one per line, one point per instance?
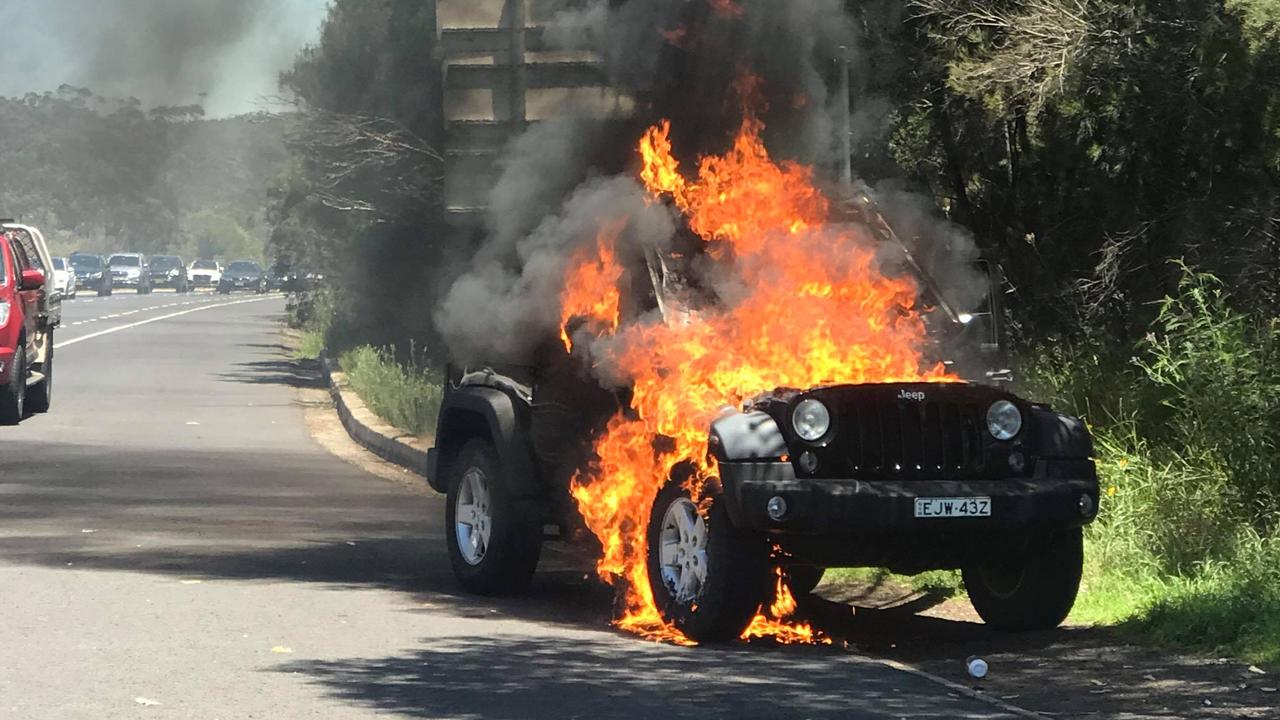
(473, 522)
(683, 551)
(1003, 578)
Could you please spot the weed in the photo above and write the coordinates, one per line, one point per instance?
(402, 394)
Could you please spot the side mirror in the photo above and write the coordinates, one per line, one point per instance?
(31, 280)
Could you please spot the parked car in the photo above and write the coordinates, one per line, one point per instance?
(32, 241)
(64, 278)
(243, 275)
(91, 273)
(280, 276)
(26, 325)
(168, 271)
(130, 270)
(205, 273)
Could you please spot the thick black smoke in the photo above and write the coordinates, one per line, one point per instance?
(224, 54)
(680, 60)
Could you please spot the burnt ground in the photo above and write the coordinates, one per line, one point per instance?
(1072, 672)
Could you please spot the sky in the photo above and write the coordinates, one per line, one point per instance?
(163, 52)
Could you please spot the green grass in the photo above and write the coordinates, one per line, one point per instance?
(1225, 606)
(403, 395)
(398, 391)
(1186, 549)
(310, 345)
(944, 582)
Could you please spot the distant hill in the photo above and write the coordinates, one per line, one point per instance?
(102, 175)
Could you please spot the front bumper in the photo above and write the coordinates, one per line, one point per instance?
(127, 282)
(1050, 498)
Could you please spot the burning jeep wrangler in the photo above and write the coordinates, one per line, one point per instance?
(710, 519)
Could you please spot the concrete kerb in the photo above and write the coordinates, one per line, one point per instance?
(387, 442)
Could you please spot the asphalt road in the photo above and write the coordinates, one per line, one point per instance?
(174, 544)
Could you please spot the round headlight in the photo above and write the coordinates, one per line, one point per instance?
(1004, 420)
(811, 419)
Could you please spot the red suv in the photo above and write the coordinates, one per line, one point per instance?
(22, 388)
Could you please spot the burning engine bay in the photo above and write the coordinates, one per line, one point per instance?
(811, 308)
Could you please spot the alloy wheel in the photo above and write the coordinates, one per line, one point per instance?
(683, 550)
(473, 521)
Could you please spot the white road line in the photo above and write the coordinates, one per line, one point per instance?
(170, 316)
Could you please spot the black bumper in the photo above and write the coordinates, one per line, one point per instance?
(1051, 498)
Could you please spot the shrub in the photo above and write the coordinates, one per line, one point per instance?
(1186, 437)
(404, 395)
(1215, 373)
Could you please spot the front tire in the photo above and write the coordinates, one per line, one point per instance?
(494, 537)
(708, 579)
(1027, 585)
(13, 395)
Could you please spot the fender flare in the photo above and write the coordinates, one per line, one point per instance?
(482, 412)
(739, 436)
(1061, 436)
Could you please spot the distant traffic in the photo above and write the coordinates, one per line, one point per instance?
(34, 284)
(104, 274)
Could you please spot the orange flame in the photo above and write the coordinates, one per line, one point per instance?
(803, 304)
(775, 623)
(591, 289)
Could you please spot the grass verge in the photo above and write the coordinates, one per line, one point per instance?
(400, 392)
(405, 396)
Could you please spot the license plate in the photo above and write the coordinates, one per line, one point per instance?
(953, 507)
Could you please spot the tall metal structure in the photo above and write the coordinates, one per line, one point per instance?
(498, 76)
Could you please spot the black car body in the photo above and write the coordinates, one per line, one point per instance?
(905, 476)
(168, 271)
(130, 270)
(278, 280)
(243, 275)
(91, 273)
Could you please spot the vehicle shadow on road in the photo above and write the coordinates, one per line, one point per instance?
(302, 373)
(597, 676)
